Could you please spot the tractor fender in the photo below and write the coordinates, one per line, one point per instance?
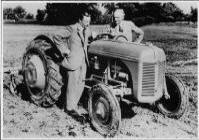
(58, 41)
(47, 37)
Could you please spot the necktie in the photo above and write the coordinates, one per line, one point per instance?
(84, 34)
(85, 45)
(120, 28)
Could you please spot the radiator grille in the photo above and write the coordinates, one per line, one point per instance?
(148, 79)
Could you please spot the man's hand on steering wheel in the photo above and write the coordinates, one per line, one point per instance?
(105, 36)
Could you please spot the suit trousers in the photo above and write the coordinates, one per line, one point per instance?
(75, 86)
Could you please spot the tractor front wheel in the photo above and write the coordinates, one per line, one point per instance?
(176, 104)
(104, 110)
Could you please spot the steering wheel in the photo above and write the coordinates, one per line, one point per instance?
(110, 36)
(120, 38)
(104, 36)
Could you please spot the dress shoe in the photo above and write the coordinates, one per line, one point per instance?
(77, 116)
(81, 110)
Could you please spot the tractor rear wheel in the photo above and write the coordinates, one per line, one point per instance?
(41, 74)
(104, 110)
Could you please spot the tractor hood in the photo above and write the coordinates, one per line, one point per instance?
(127, 51)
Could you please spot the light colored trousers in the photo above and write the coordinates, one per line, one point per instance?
(75, 86)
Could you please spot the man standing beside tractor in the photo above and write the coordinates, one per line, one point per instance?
(76, 62)
(125, 28)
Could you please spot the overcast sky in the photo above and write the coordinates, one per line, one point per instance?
(32, 7)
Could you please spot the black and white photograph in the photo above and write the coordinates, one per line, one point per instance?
(99, 69)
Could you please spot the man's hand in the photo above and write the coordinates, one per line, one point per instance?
(113, 33)
(61, 44)
(65, 52)
(94, 34)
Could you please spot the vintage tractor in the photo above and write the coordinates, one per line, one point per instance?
(118, 69)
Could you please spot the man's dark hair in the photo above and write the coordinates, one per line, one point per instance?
(84, 13)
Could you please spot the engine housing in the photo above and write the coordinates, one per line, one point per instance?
(143, 66)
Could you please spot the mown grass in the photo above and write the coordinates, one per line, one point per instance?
(178, 42)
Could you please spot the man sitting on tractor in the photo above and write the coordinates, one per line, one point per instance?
(125, 28)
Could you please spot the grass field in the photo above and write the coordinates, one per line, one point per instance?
(178, 42)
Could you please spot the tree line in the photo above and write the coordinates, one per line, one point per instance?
(140, 13)
(16, 13)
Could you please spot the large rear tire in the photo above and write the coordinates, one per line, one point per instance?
(41, 74)
(176, 105)
(104, 110)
